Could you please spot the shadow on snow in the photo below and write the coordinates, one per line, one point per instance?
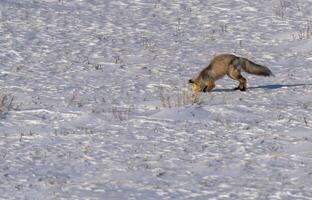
(266, 87)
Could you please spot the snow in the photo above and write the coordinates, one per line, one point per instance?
(95, 102)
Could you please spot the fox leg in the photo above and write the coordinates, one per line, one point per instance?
(235, 74)
(209, 86)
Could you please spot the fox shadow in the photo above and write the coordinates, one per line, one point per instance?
(266, 87)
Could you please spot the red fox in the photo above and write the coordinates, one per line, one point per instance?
(230, 65)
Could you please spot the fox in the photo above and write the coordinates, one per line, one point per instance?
(227, 64)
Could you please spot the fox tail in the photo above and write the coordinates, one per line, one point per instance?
(253, 68)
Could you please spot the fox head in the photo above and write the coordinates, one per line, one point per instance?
(197, 86)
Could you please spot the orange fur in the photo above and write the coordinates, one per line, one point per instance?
(226, 64)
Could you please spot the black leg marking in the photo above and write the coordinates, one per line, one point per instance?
(205, 89)
(241, 89)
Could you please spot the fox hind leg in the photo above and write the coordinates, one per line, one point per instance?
(242, 83)
(235, 74)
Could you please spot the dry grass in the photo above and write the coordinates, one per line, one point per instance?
(181, 98)
(120, 113)
(305, 33)
(6, 102)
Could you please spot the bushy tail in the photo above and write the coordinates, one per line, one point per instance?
(253, 68)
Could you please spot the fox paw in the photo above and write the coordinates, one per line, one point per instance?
(241, 89)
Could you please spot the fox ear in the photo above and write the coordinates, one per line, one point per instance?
(191, 81)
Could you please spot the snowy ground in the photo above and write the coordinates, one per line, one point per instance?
(95, 102)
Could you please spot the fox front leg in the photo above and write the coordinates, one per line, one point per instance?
(209, 86)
